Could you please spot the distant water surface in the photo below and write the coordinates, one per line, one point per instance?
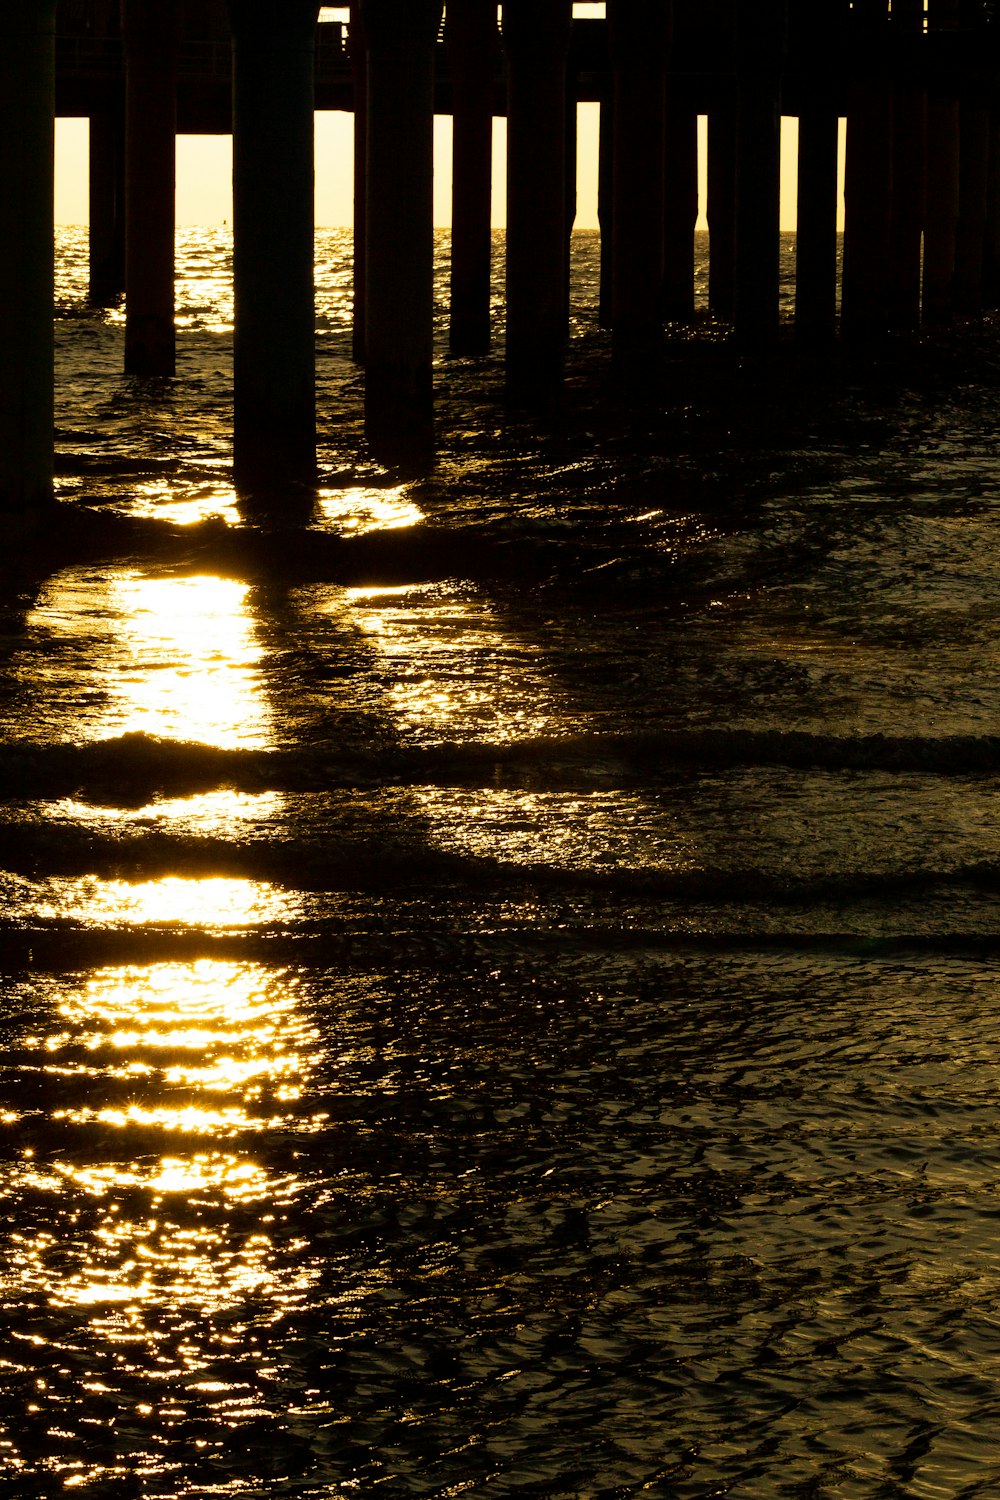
(502, 992)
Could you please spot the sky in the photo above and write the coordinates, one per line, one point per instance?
(204, 166)
(204, 171)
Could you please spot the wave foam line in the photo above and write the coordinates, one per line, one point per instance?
(132, 769)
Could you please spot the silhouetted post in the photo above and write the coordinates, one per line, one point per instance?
(399, 395)
(149, 30)
(640, 36)
(274, 334)
(536, 37)
(943, 137)
(107, 202)
(991, 242)
(760, 55)
(358, 49)
(974, 164)
(721, 205)
(680, 204)
(473, 46)
(27, 106)
(572, 161)
(909, 151)
(868, 175)
(816, 238)
(818, 48)
(606, 201)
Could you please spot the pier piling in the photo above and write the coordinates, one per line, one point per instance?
(399, 398)
(536, 36)
(473, 43)
(274, 369)
(27, 109)
(149, 29)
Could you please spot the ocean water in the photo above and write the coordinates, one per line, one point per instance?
(502, 984)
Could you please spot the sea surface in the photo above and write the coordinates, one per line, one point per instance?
(501, 983)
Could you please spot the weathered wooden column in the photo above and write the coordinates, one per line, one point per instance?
(27, 106)
(721, 205)
(399, 395)
(149, 29)
(760, 56)
(974, 161)
(473, 46)
(107, 201)
(819, 51)
(569, 178)
(909, 153)
(991, 243)
(606, 200)
(943, 136)
(274, 361)
(358, 49)
(639, 34)
(536, 36)
(868, 175)
(680, 203)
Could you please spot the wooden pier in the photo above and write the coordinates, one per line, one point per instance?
(917, 81)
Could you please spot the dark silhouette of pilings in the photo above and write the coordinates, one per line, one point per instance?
(991, 238)
(721, 205)
(909, 167)
(149, 31)
(399, 400)
(473, 42)
(639, 36)
(536, 36)
(27, 106)
(606, 200)
(868, 175)
(680, 203)
(761, 36)
(359, 86)
(974, 160)
(943, 165)
(107, 202)
(816, 227)
(274, 372)
(817, 44)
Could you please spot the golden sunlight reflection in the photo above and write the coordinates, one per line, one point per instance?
(360, 510)
(454, 672)
(208, 1048)
(215, 813)
(195, 660)
(160, 1241)
(164, 500)
(564, 830)
(180, 657)
(165, 1076)
(210, 903)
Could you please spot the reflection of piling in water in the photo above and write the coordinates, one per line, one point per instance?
(918, 86)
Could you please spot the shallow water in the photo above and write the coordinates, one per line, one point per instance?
(502, 993)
